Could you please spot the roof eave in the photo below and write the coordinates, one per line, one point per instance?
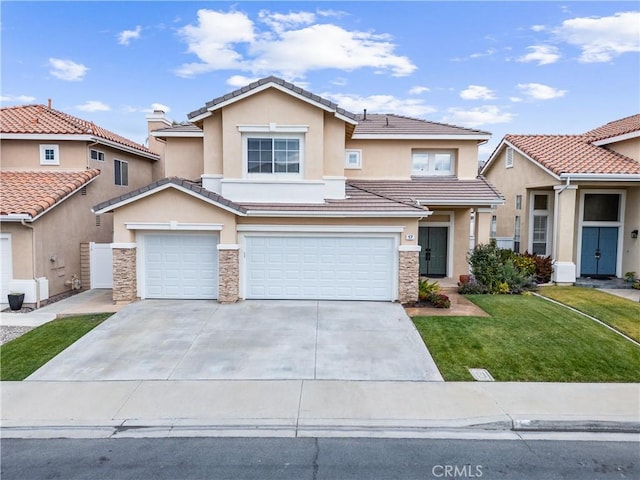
(474, 202)
(617, 138)
(16, 217)
(602, 177)
(178, 134)
(416, 136)
(338, 214)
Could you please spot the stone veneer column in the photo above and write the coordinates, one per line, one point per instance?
(408, 273)
(124, 273)
(228, 273)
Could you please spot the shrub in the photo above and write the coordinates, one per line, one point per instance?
(487, 265)
(499, 271)
(472, 287)
(439, 300)
(525, 264)
(544, 267)
(425, 289)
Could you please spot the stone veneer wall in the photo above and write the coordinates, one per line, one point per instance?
(124, 275)
(408, 277)
(85, 265)
(228, 275)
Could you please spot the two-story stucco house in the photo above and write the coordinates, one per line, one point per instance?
(55, 167)
(273, 192)
(574, 197)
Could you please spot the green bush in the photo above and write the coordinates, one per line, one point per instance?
(499, 271)
(426, 288)
(439, 300)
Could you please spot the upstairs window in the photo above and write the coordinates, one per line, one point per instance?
(273, 155)
(509, 157)
(433, 162)
(49, 155)
(97, 155)
(353, 159)
(121, 172)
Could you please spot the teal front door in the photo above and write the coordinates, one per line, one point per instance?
(599, 251)
(433, 256)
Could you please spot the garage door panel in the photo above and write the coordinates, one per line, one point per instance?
(324, 267)
(181, 266)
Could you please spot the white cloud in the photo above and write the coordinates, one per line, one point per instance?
(538, 28)
(93, 106)
(487, 53)
(602, 38)
(160, 106)
(238, 81)
(125, 37)
(418, 90)
(288, 45)
(17, 98)
(543, 54)
(538, 91)
(154, 106)
(477, 92)
(411, 107)
(67, 69)
(212, 40)
(475, 117)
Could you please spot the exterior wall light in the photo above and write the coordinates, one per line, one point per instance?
(634, 233)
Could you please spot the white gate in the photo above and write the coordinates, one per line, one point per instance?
(101, 261)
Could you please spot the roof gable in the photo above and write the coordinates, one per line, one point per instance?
(42, 120)
(263, 84)
(33, 193)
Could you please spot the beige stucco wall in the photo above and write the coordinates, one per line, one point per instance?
(184, 158)
(172, 205)
(629, 148)
(264, 108)
(459, 221)
(391, 159)
(25, 155)
(631, 246)
(334, 146)
(21, 252)
(520, 179)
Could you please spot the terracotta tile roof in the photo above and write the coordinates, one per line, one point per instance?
(391, 124)
(39, 119)
(435, 190)
(615, 128)
(264, 81)
(181, 182)
(32, 192)
(572, 154)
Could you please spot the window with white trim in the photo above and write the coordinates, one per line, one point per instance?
(433, 162)
(353, 159)
(509, 158)
(516, 234)
(49, 155)
(121, 172)
(494, 226)
(518, 202)
(97, 155)
(540, 212)
(273, 154)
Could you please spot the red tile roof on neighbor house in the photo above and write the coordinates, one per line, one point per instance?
(42, 120)
(32, 193)
(616, 128)
(573, 154)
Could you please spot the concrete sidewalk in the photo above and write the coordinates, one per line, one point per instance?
(311, 408)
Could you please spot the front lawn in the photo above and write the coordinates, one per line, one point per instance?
(527, 338)
(21, 357)
(620, 313)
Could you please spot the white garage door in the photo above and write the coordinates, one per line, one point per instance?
(181, 266)
(327, 268)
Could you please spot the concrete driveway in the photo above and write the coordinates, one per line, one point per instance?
(250, 340)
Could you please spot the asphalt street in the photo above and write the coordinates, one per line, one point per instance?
(312, 458)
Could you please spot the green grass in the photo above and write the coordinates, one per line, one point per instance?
(21, 357)
(620, 313)
(527, 338)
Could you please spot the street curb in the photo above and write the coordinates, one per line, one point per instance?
(593, 426)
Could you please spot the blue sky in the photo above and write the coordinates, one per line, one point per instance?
(504, 67)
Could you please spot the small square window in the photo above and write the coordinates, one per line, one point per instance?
(518, 202)
(49, 155)
(97, 155)
(353, 159)
(540, 202)
(509, 157)
(121, 172)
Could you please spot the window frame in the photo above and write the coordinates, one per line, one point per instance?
(540, 213)
(99, 153)
(431, 170)
(508, 161)
(117, 173)
(353, 151)
(518, 202)
(43, 153)
(273, 136)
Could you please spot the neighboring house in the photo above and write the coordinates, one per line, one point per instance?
(55, 167)
(276, 193)
(574, 197)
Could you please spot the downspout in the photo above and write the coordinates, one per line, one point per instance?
(33, 260)
(554, 252)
